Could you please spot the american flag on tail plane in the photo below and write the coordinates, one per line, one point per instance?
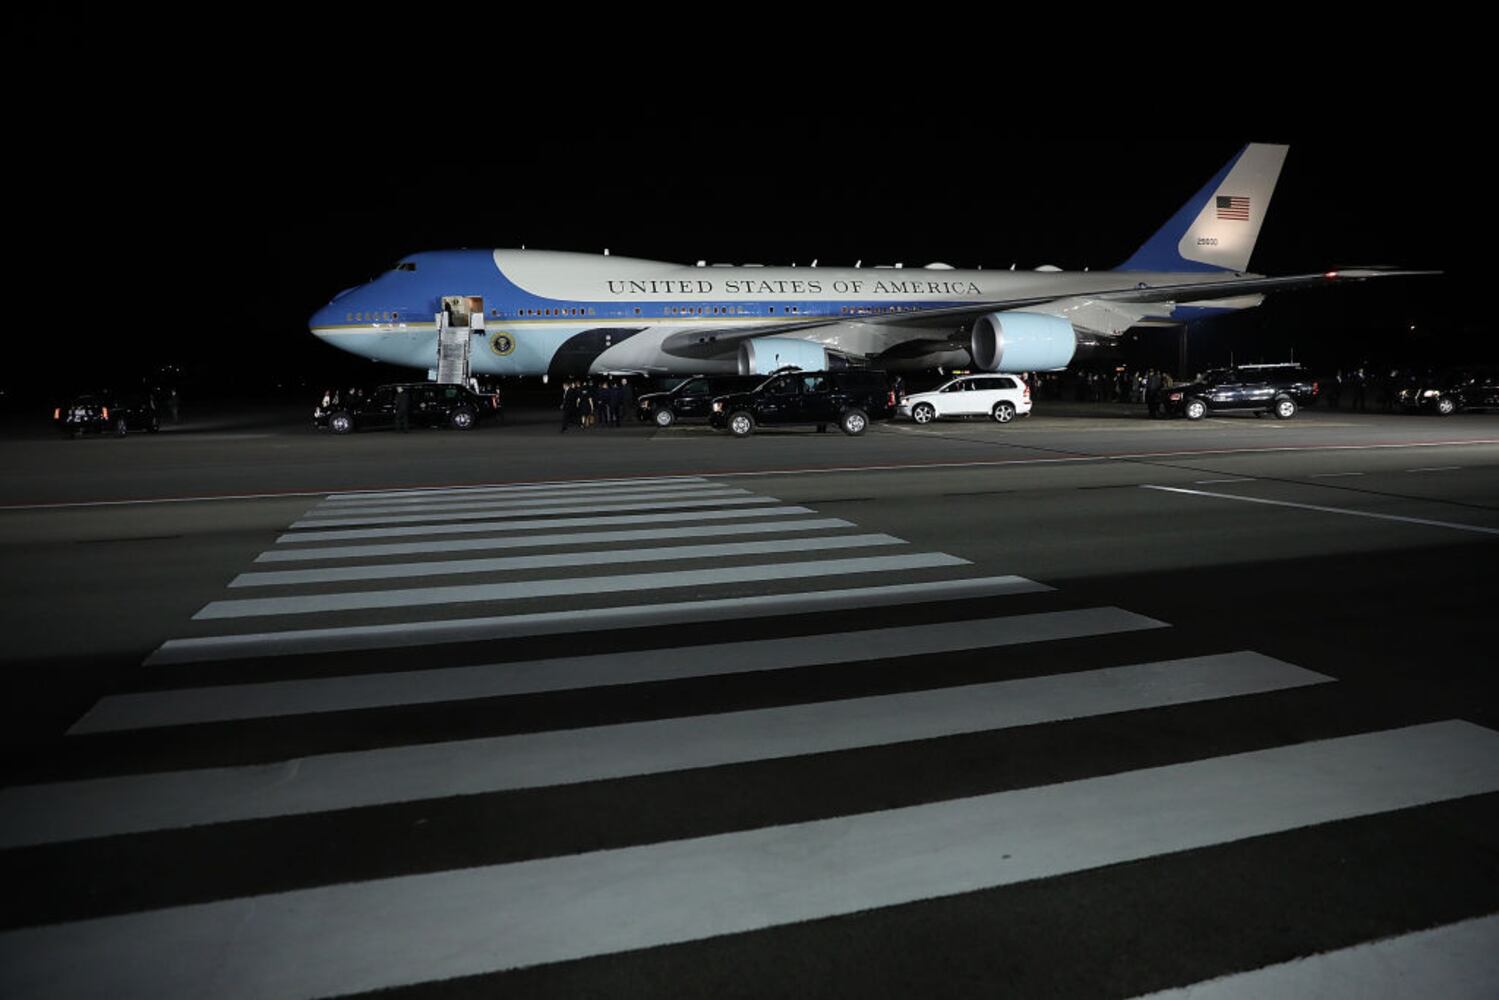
(1233, 207)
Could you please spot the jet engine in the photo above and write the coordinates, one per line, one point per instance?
(1021, 342)
(763, 355)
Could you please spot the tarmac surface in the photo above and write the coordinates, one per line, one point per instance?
(1086, 705)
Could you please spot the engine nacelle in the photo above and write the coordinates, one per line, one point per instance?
(1021, 342)
(763, 355)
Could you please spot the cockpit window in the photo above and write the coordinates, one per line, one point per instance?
(406, 265)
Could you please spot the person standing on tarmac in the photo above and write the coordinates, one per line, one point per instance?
(626, 400)
(585, 403)
(1153, 392)
(569, 404)
(403, 409)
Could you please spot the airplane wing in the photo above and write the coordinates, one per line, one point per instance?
(930, 329)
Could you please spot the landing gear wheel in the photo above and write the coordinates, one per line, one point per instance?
(1196, 409)
(664, 417)
(924, 413)
(853, 422)
(1284, 409)
(1004, 412)
(741, 424)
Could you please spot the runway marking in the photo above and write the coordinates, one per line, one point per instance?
(597, 508)
(1329, 510)
(514, 503)
(493, 680)
(420, 493)
(537, 541)
(1455, 962)
(402, 634)
(1334, 475)
(1436, 468)
(557, 522)
(1237, 479)
(102, 807)
(833, 469)
(474, 593)
(411, 929)
(606, 557)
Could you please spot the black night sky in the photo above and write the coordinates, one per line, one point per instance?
(175, 204)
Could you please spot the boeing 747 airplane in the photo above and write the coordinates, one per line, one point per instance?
(530, 312)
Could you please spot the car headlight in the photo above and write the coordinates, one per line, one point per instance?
(1431, 392)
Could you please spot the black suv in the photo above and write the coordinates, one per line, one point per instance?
(1262, 389)
(1444, 393)
(116, 412)
(432, 404)
(692, 399)
(848, 397)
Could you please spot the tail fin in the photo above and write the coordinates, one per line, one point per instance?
(1216, 230)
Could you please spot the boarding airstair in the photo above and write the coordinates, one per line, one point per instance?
(461, 318)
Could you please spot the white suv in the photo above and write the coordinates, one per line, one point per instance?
(998, 396)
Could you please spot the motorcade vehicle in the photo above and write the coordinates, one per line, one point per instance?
(1256, 389)
(1303, 386)
(108, 412)
(847, 397)
(1447, 392)
(1001, 398)
(691, 399)
(430, 404)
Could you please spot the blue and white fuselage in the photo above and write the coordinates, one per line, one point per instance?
(554, 313)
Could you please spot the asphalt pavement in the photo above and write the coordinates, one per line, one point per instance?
(1086, 705)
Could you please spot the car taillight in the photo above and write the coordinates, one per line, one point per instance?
(1026, 390)
(1316, 388)
(891, 400)
(106, 413)
(57, 413)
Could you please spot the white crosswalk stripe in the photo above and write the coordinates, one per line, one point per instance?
(570, 486)
(434, 501)
(47, 813)
(276, 718)
(723, 498)
(412, 929)
(1456, 962)
(623, 583)
(604, 557)
(545, 524)
(538, 541)
(335, 694)
(515, 503)
(427, 633)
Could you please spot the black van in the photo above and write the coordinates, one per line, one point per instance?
(429, 404)
(692, 398)
(108, 412)
(848, 397)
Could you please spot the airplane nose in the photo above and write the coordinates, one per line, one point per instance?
(326, 317)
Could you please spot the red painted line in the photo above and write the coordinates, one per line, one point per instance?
(741, 473)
